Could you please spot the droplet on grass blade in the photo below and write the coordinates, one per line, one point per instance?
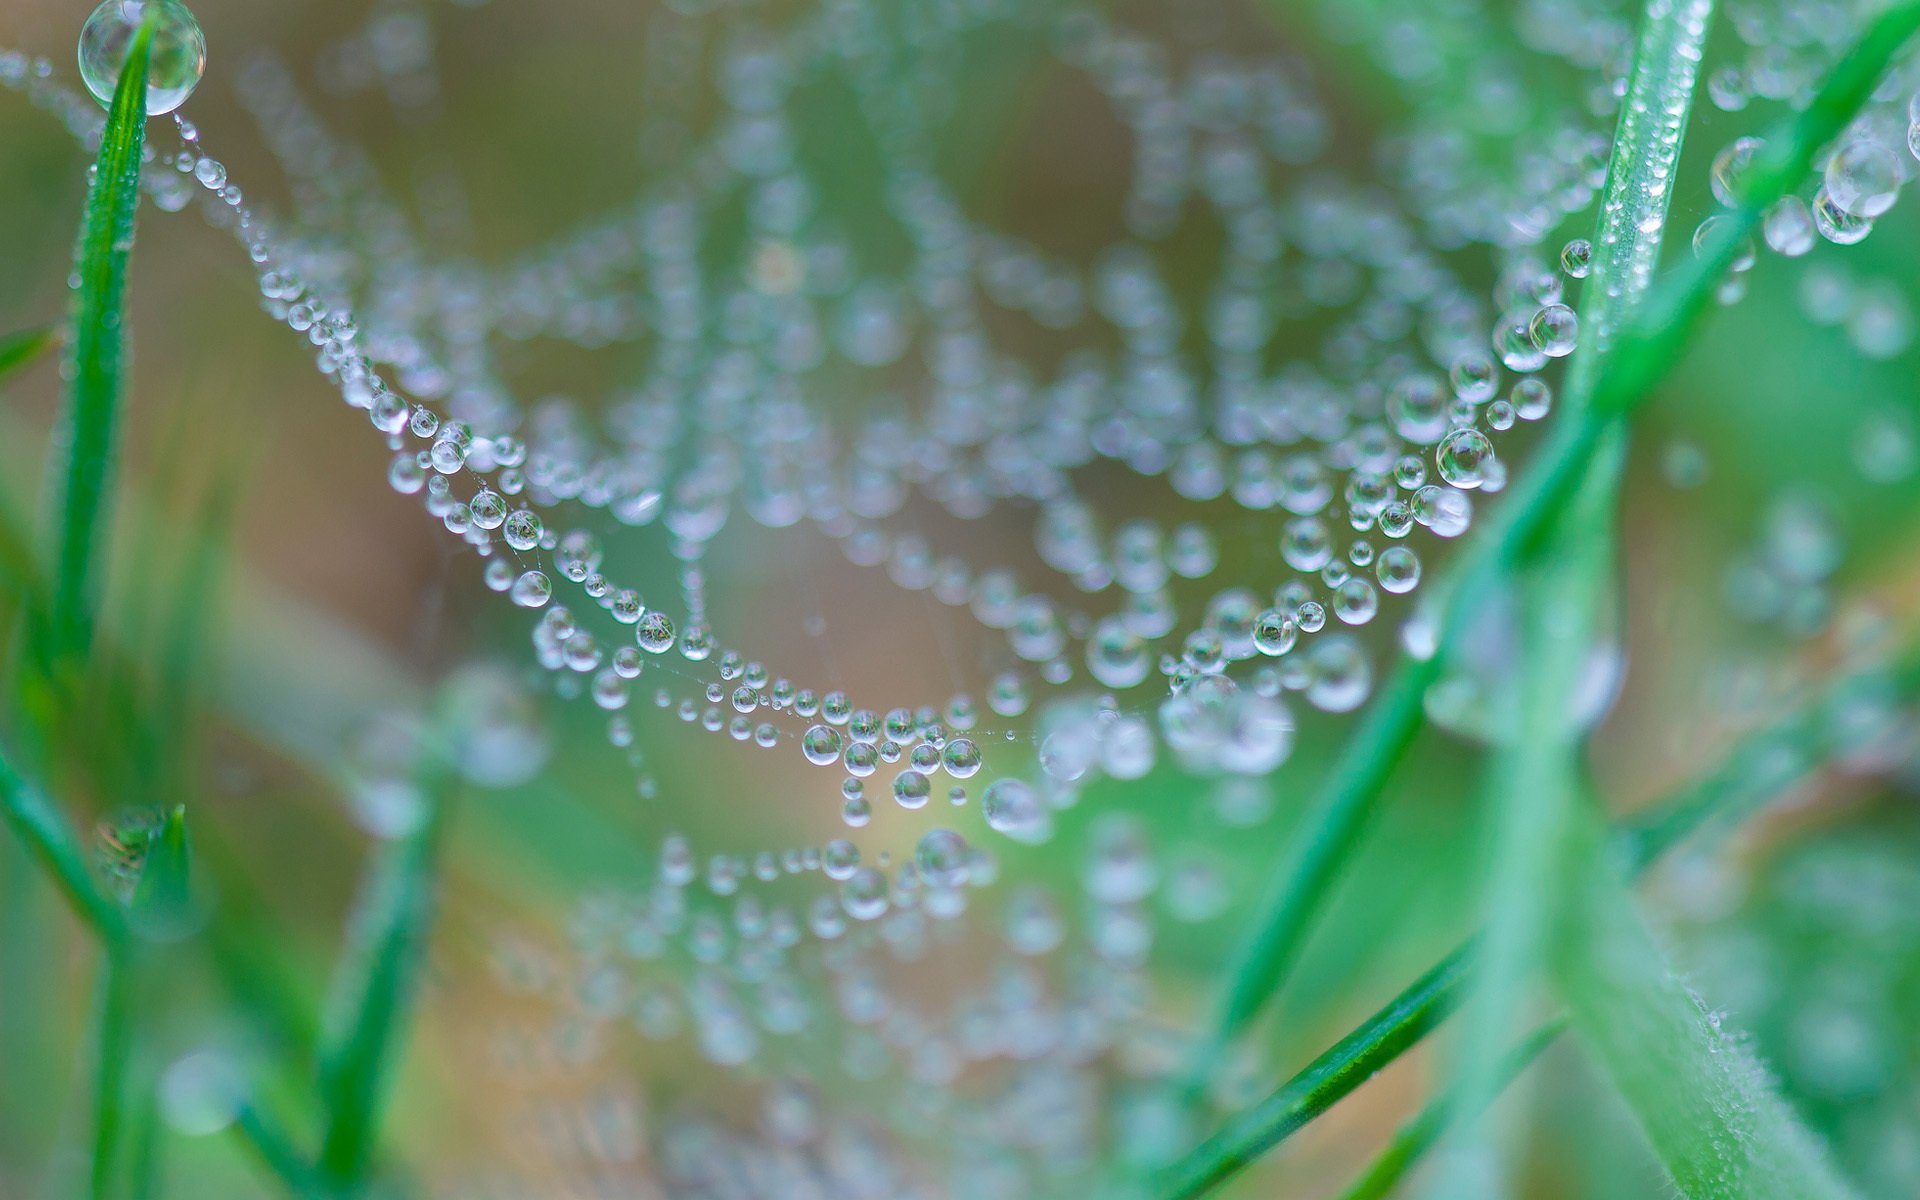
(176, 61)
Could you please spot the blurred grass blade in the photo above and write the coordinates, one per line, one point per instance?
(388, 941)
(276, 1152)
(162, 905)
(1417, 1136)
(183, 667)
(1753, 772)
(18, 350)
(144, 1152)
(40, 826)
(254, 958)
(112, 1052)
(87, 431)
(248, 950)
(1534, 779)
(1766, 762)
(1706, 1104)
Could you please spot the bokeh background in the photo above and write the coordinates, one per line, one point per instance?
(339, 602)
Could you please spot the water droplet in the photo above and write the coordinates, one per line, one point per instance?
(176, 59)
(1464, 458)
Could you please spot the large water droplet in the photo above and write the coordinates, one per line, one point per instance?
(175, 62)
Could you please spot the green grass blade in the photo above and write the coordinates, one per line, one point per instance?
(1533, 781)
(1749, 775)
(98, 340)
(1419, 1135)
(1340, 810)
(1761, 765)
(1645, 159)
(19, 350)
(163, 903)
(145, 1139)
(1344, 804)
(1344, 1066)
(276, 1151)
(251, 954)
(391, 924)
(1704, 1101)
(184, 664)
(112, 1052)
(247, 950)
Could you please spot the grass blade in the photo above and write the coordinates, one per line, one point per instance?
(1340, 810)
(1638, 192)
(98, 341)
(112, 1051)
(1753, 772)
(18, 350)
(163, 904)
(276, 1152)
(145, 1149)
(389, 939)
(252, 956)
(1533, 781)
(1344, 1066)
(1704, 1101)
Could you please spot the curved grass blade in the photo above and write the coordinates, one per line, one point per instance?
(18, 350)
(1642, 354)
(389, 936)
(88, 426)
(1755, 771)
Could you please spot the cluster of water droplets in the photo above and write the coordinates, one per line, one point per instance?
(1325, 409)
(1859, 177)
